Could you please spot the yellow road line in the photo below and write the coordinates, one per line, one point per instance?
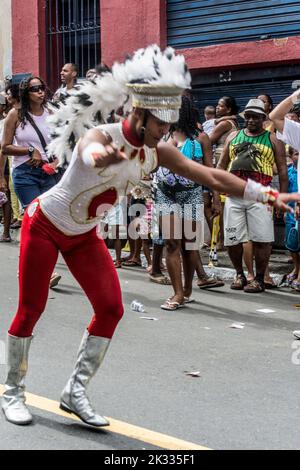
(133, 432)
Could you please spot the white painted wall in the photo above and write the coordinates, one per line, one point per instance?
(5, 39)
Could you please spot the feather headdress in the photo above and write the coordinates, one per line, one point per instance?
(150, 79)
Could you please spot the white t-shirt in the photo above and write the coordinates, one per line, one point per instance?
(291, 136)
(208, 126)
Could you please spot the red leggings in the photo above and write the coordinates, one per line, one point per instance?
(88, 260)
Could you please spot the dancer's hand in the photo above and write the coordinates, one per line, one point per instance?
(284, 198)
(101, 156)
(110, 156)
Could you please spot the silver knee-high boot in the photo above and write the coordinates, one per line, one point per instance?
(73, 398)
(13, 399)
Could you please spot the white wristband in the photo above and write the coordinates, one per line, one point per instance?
(253, 192)
(90, 151)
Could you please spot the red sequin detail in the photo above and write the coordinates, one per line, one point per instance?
(108, 197)
(142, 156)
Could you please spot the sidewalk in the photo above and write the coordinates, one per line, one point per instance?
(278, 262)
(278, 265)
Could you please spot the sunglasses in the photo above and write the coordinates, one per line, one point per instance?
(255, 117)
(37, 88)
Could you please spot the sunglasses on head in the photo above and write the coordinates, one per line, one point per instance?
(37, 88)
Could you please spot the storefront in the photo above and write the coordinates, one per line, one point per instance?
(234, 45)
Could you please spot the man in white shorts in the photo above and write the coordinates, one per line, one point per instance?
(251, 154)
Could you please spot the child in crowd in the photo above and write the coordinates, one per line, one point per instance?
(210, 116)
(293, 279)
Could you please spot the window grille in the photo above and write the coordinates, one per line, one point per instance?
(73, 35)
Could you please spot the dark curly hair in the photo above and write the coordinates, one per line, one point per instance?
(24, 97)
(14, 90)
(188, 119)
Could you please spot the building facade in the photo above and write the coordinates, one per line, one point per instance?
(234, 47)
(5, 39)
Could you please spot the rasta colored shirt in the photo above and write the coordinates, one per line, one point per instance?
(252, 157)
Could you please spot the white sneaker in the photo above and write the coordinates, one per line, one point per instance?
(55, 278)
(296, 333)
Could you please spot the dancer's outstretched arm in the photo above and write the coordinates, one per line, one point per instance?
(221, 180)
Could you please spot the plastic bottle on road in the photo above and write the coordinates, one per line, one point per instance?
(137, 306)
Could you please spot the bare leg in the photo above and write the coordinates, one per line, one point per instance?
(156, 260)
(262, 252)
(220, 245)
(208, 212)
(118, 248)
(174, 268)
(190, 259)
(171, 229)
(6, 208)
(146, 250)
(6, 220)
(236, 256)
(248, 259)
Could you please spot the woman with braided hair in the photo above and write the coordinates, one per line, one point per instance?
(107, 162)
(180, 205)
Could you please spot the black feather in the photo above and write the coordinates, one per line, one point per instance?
(84, 99)
(54, 135)
(72, 141)
(156, 68)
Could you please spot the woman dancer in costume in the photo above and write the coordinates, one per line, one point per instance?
(107, 163)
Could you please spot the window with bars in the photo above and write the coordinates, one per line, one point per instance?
(73, 35)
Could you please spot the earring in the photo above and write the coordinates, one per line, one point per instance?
(143, 129)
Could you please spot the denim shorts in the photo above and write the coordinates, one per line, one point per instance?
(30, 182)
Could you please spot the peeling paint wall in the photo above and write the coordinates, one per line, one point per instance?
(5, 39)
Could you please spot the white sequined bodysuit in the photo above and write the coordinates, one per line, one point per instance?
(73, 204)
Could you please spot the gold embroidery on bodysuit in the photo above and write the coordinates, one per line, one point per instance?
(86, 198)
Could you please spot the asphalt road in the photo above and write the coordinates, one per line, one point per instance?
(247, 395)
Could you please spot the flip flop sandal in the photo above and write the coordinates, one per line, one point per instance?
(254, 287)
(297, 286)
(287, 280)
(118, 264)
(270, 285)
(163, 280)
(171, 305)
(210, 283)
(188, 300)
(5, 239)
(239, 283)
(132, 263)
(290, 278)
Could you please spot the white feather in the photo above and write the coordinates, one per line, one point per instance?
(108, 92)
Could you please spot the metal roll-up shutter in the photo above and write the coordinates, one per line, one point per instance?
(204, 22)
(242, 92)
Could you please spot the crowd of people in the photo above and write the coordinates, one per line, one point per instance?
(248, 145)
(174, 173)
